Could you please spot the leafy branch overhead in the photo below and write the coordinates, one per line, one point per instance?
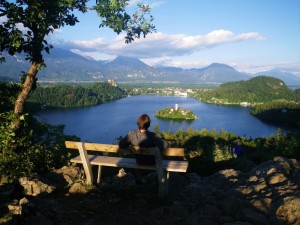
(113, 14)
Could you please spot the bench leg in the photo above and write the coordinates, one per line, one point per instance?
(166, 184)
(86, 163)
(99, 174)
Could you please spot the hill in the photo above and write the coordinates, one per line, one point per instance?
(288, 78)
(66, 66)
(256, 90)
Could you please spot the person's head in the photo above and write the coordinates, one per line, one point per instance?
(144, 122)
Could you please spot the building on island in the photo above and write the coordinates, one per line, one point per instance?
(176, 107)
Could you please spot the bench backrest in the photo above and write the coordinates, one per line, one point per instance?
(177, 152)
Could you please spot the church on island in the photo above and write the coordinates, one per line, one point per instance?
(175, 113)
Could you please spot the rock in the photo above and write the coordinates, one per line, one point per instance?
(121, 173)
(245, 190)
(123, 179)
(277, 178)
(78, 187)
(277, 165)
(66, 176)
(14, 208)
(36, 185)
(259, 187)
(284, 164)
(263, 205)
(253, 179)
(230, 173)
(23, 201)
(289, 211)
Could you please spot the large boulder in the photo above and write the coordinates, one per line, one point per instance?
(289, 211)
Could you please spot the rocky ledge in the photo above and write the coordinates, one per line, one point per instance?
(267, 195)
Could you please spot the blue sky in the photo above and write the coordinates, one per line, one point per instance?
(250, 35)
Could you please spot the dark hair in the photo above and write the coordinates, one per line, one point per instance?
(143, 122)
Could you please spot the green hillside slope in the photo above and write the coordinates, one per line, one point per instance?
(259, 89)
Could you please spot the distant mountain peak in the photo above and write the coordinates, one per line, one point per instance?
(220, 66)
(127, 61)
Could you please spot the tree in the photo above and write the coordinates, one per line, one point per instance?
(29, 22)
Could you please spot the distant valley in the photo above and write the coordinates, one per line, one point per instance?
(66, 66)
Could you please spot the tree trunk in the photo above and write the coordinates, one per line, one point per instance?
(24, 93)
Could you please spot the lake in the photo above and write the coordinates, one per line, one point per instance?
(106, 122)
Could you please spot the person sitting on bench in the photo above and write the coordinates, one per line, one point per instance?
(143, 138)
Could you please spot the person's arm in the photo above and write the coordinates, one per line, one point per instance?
(161, 144)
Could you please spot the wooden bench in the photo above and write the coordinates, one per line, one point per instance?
(163, 167)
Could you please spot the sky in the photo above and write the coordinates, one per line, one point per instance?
(249, 35)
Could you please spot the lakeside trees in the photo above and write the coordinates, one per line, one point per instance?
(283, 113)
(75, 96)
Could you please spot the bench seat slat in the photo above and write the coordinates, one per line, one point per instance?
(168, 165)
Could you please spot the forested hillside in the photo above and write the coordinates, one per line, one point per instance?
(259, 89)
(75, 96)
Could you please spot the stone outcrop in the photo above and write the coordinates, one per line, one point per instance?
(267, 195)
(36, 185)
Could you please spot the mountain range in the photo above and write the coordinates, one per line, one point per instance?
(63, 65)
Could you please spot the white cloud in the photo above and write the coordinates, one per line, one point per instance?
(92, 44)
(163, 45)
(160, 44)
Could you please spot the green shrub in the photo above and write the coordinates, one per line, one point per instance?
(36, 148)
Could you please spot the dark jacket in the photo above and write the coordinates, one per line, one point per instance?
(145, 139)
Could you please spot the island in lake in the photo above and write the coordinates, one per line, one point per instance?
(175, 113)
